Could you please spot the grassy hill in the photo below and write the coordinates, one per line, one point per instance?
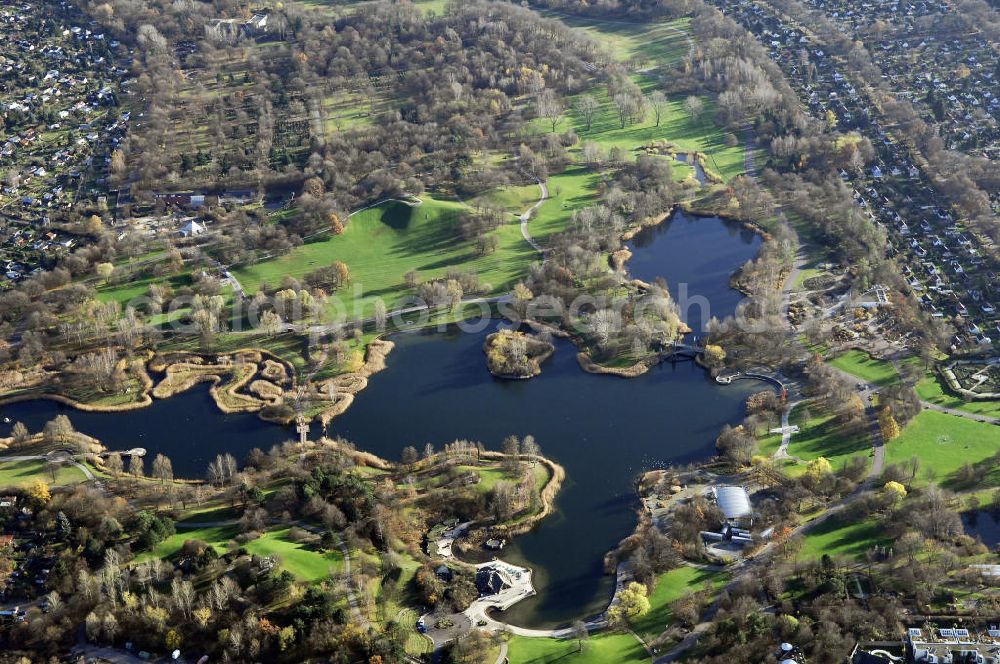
(381, 244)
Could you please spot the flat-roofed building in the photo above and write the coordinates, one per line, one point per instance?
(954, 645)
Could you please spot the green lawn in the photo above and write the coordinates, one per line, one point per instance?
(436, 7)
(211, 512)
(573, 189)
(569, 191)
(861, 364)
(944, 443)
(17, 473)
(664, 42)
(670, 587)
(676, 126)
(488, 477)
(820, 435)
(380, 245)
(600, 649)
(215, 536)
(302, 560)
(931, 388)
(807, 273)
(515, 199)
(134, 288)
(306, 564)
(838, 538)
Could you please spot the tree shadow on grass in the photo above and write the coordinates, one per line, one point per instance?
(985, 474)
(22, 469)
(855, 539)
(828, 438)
(397, 216)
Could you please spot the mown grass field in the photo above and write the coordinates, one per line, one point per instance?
(599, 649)
(18, 473)
(820, 435)
(659, 42)
(836, 537)
(864, 366)
(931, 388)
(333, 7)
(217, 537)
(676, 126)
(127, 291)
(381, 244)
(299, 559)
(670, 587)
(569, 191)
(302, 560)
(944, 443)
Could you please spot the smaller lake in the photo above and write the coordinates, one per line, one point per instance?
(697, 256)
(984, 524)
(188, 427)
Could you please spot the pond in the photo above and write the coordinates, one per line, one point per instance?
(696, 256)
(984, 524)
(189, 428)
(604, 430)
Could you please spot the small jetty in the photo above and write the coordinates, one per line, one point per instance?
(727, 378)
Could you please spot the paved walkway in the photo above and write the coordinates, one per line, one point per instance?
(867, 392)
(786, 431)
(448, 538)
(526, 217)
(960, 413)
(352, 599)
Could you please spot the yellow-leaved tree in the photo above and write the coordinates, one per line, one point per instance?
(888, 424)
(38, 491)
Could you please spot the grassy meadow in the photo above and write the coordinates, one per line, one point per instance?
(381, 244)
(944, 443)
(601, 648)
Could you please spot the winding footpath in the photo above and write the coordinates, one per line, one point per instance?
(526, 217)
(749, 565)
(352, 599)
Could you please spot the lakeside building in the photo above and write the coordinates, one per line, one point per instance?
(734, 501)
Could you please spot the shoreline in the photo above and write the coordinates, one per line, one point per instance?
(619, 261)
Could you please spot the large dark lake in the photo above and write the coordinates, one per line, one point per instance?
(604, 430)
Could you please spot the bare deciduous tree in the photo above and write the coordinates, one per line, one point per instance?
(587, 107)
(550, 107)
(657, 101)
